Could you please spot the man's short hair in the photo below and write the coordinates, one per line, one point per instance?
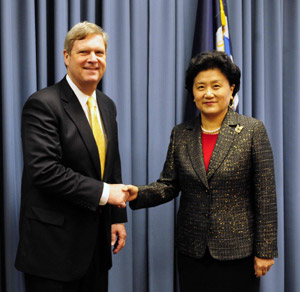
(80, 31)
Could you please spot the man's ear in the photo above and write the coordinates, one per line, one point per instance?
(66, 57)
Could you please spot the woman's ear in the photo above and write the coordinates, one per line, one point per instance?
(232, 88)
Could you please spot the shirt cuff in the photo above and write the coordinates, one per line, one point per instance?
(105, 194)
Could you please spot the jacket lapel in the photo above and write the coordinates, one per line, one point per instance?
(194, 146)
(77, 115)
(106, 124)
(224, 142)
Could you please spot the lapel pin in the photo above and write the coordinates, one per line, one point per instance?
(238, 129)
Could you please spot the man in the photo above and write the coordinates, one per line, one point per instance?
(69, 216)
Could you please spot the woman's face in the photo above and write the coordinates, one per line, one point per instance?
(212, 93)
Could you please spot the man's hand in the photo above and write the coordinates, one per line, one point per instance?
(117, 196)
(262, 266)
(132, 192)
(118, 234)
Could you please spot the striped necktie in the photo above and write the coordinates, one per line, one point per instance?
(97, 132)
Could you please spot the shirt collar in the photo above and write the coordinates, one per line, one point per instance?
(79, 94)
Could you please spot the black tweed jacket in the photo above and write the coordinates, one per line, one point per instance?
(231, 208)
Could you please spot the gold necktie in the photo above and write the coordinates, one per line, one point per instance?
(97, 132)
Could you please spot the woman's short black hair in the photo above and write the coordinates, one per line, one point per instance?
(213, 60)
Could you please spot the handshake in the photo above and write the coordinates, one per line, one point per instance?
(119, 194)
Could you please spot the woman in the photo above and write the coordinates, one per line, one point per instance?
(222, 164)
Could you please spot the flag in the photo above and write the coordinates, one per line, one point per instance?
(211, 33)
(223, 40)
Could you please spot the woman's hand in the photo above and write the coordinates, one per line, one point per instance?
(262, 266)
(132, 190)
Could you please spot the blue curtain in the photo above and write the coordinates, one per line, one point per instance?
(290, 104)
(256, 29)
(150, 43)
(149, 49)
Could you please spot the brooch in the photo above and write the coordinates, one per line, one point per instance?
(238, 129)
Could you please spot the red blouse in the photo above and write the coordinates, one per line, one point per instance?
(208, 145)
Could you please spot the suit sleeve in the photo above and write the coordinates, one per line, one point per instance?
(118, 215)
(43, 158)
(167, 186)
(265, 195)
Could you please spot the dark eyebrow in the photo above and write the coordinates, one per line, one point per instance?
(199, 82)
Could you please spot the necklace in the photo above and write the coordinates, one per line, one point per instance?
(210, 131)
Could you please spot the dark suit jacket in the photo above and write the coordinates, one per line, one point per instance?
(231, 209)
(61, 187)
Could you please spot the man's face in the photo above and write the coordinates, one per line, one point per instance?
(86, 63)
